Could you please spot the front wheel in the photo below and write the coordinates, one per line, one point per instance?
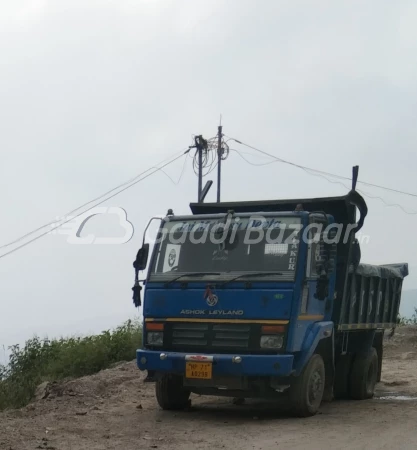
(170, 393)
(306, 392)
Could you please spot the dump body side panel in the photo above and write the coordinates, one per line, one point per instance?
(372, 297)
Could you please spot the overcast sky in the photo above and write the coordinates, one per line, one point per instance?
(94, 92)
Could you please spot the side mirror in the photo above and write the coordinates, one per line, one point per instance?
(325, 264)
(321, 257)
(331, 264)
(356, 253)
(326, 258)
(142, 258)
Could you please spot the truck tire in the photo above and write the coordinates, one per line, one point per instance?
(170, 393)
(341, 379)
(306, 391)
(364, 375)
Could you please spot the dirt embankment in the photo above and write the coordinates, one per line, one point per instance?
(116, 410)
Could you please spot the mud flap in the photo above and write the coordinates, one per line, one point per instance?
(150, 378)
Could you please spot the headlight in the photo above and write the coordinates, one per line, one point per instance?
(155, 338)
(272, 341)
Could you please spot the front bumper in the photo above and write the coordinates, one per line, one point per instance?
(224, 365)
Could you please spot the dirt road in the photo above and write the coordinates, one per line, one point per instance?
(116, 410)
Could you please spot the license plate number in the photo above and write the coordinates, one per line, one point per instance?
(203, 371)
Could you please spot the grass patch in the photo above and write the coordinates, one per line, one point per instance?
(50, 360)
(408, 320)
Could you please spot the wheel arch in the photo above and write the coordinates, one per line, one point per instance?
(319, 339)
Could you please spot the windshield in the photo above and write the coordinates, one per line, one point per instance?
(220, 249)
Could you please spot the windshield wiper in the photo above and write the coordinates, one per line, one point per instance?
(256, 274)
(192, 274)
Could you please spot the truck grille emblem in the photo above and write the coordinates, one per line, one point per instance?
(211, 299)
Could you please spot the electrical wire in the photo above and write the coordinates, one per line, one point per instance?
(411, 213)
(95, 199)
(96, 204)
(182, 171)
(209, 159)
(366, 194)
(275, 161)
(320, 171)
(323, 174)
(250, 162)
(213, 168)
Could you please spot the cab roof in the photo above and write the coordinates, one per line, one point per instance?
(343, 209)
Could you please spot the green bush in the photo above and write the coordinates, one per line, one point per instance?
(408, 320)
(49, 360)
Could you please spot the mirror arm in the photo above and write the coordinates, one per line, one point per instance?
(147, 226)
(137, 287)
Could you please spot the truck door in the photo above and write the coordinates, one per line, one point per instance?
(311, 307)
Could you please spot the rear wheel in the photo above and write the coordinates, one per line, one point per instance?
(364, 375)
(306, 392)
(170, 393)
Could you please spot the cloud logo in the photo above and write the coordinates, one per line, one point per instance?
(74, 227)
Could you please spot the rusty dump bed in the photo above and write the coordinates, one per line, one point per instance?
(372, 297)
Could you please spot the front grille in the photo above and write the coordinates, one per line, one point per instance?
(217, 337)
(230, 335)
(185, 334)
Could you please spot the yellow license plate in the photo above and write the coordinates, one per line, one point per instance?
(202, 371)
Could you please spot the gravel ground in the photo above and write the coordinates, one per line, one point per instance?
(114, 409)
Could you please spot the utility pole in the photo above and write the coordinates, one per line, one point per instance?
(203, 158)
(200, 171)
(219, 159)
(200, 145)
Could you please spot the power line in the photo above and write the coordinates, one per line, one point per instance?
(411, 213)
(240, 153)
(323, 174)
(277, 160)
(176, 183)
(97, 204)
(182, 172)
(320, 171)
(366, 194)
(95, 199)
(209, 156)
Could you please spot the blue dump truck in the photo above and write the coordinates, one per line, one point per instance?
(264, 299)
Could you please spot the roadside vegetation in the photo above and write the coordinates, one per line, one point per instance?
(408, 320)
(51, 360)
